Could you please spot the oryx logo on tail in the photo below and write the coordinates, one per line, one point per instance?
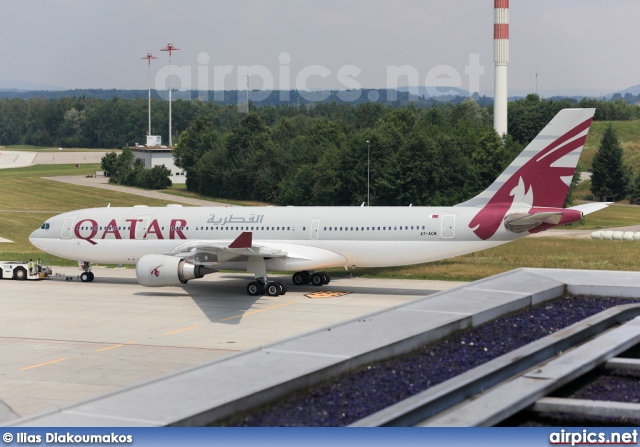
(540, 180)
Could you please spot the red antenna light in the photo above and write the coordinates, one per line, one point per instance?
(148, 57)
(170, 48)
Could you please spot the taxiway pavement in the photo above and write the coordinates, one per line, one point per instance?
(20, 159)
(62, 341)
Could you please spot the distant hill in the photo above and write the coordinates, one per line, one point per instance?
(428, 95)
(24, 86)
(261, 98)
(634, 91)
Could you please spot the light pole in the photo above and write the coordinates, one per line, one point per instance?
(368, 158)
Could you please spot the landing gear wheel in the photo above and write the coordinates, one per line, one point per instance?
(273, 289)
(254, 289)
(282, 289)
(91, 276)
(20, 274)
(318, 279)
(327, 278)
(300, 278)
(85, 277)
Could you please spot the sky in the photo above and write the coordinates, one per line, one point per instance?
(573, 45)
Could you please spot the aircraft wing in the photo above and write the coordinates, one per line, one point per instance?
(205, 252)
(589, 208)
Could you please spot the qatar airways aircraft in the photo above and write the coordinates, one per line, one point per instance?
(172, 245)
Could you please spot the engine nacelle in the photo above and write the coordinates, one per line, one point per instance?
(162, 271)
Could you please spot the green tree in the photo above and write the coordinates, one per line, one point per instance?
(127, 168)
(108, 163)
(155, 178)
(610, 178)
(199, 138)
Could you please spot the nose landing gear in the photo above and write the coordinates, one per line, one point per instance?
(87, 274)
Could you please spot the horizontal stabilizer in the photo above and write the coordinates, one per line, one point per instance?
(589, 208)
(521, 222)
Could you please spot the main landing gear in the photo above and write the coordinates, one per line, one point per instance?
(87, 274)
(313, 278)
(262, 286)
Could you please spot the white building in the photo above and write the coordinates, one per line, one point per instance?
(154, 154)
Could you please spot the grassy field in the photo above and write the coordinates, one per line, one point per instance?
(629, 135)
(28, 200)
(528, 252)
(180, 189)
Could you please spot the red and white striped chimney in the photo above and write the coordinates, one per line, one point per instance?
(501, 59)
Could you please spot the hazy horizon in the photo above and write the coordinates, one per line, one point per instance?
(577, 45)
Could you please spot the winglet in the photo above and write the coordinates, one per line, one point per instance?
(243, 241)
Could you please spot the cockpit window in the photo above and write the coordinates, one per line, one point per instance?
(45, 226)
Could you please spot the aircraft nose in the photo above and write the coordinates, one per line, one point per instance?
(35, 236)
(32, 236)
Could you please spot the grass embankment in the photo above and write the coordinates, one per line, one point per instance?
(27, 200)
(629, 135)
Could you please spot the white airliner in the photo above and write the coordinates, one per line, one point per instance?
(172, 245)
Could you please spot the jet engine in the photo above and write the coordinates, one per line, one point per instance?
(161, 271)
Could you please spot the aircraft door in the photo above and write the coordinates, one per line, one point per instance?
(67, 227)
(141, 228)
(448, 227)
(315, 225)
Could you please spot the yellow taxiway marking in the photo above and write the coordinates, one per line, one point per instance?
(256, 311)
(116, 346)
(321, 294)
(180, 330)
(42, 364)
(110, 347)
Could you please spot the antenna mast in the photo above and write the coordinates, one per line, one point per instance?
(148, 58)
(170, 48)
